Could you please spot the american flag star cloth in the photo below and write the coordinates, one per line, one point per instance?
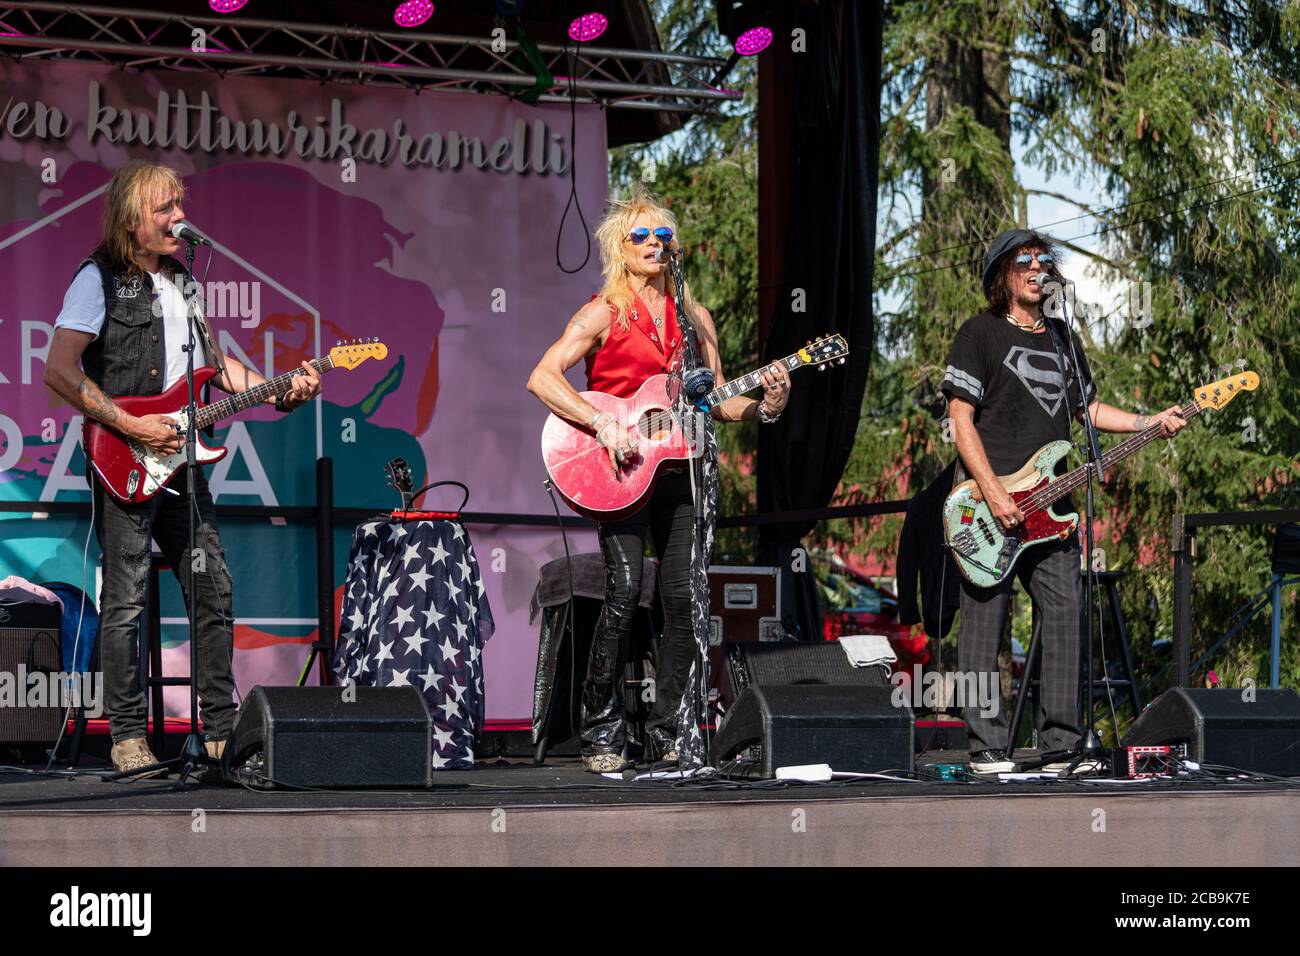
(415, 612)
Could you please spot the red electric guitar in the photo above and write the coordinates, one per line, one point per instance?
(579, 465)
(133, 473)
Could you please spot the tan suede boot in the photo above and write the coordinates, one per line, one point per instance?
(215, 748)
(133, 753)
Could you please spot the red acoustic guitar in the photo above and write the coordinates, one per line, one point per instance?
(133, 473)
(579, 465)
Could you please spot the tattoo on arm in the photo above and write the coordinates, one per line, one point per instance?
(1141, 423)
(95, 403)
(577, 323)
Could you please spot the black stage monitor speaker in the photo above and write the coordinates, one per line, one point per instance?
(317, 737)
(1219, 727)
(798, 704)
(792, 663)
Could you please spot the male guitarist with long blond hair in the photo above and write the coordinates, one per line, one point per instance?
(120, 333)
(1008, 395)
(628, 332)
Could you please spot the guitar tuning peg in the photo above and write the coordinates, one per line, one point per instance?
(843, 360)
(821, 367)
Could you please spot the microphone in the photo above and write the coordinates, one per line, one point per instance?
(183, 230)
(663, 254)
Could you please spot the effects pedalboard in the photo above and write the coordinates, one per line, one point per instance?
(1139, 763)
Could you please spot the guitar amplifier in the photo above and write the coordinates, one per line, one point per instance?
(30, 642)
(744, 605)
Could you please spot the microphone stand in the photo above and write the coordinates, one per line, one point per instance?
(1090, 743)
(193, 753)
(693, 361)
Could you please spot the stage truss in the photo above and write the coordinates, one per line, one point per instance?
(245, 46)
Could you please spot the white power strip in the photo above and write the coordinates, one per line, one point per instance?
(808, 773)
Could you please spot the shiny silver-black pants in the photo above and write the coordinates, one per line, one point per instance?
(669, 518)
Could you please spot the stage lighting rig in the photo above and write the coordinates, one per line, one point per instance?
(412, 13)
(748, 25)
(590, 20)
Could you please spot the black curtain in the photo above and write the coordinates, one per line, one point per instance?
(830, 251)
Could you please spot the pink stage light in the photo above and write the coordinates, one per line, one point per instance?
(754, 41)
(412, 13)
(227, 6)
(587, 27)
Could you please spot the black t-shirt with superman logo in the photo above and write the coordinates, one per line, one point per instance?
(1014, 379)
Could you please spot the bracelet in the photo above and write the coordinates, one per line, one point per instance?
(765, 417)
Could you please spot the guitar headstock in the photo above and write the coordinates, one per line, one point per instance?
(349, 355)
(399, 476)
(1220, 393)
(823, 351)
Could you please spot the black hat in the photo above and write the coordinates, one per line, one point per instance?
(1003, 243)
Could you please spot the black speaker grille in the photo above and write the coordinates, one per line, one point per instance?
(30, 648)
(765, 665)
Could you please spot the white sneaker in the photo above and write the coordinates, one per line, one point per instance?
(991, 761)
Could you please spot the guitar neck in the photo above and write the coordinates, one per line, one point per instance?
(1062, 486)
(255, 395)
(747, 383)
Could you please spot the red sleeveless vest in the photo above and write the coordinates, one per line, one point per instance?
(630, 356)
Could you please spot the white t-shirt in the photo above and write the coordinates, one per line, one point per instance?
(83, 310)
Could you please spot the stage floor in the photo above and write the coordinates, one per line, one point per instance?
(513, 813)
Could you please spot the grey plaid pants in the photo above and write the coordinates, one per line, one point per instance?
(1050, 573)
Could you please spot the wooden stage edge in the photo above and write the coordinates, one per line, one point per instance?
(1184, 828)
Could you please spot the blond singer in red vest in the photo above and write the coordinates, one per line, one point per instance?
(628, 332)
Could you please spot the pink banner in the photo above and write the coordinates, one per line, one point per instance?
(426, 221)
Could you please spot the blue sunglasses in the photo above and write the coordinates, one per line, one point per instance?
(1046, 259)
(665, 235)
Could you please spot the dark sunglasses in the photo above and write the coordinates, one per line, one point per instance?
(1046, 259)
(640, 234)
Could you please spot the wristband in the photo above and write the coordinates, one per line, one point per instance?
(766, 417)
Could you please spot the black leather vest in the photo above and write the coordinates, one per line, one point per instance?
(130, 355)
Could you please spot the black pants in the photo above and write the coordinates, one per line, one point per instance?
(124, 532)
(669, 518)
